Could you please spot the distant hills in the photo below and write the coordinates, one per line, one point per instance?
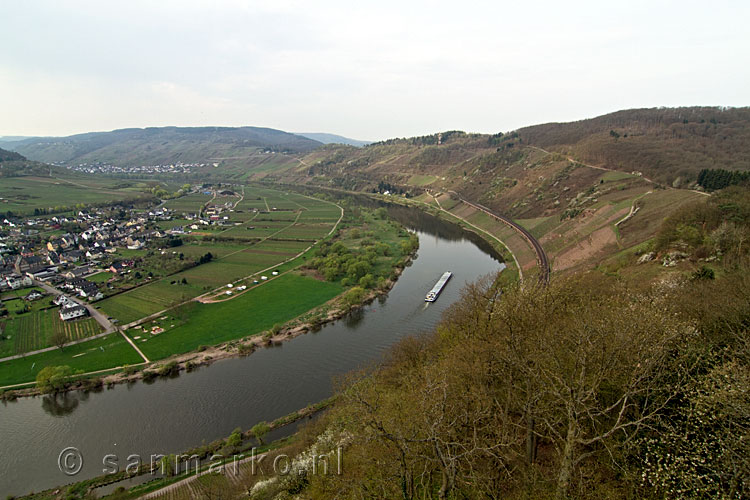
(13, 138)
(333, 139)
(667, 145)
(160, 145)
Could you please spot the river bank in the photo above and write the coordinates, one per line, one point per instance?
(326, 313)
(174, 413)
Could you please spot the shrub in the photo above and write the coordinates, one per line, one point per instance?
(168, 369)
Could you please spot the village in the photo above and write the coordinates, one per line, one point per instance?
(106, 168)
(93, 254)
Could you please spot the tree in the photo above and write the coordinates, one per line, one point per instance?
(358, 269)
(51, 379)
(703, 450)
(59, 338)
(589, 362)
(354, 296)
(235, 438)
(367, 281)
(582, 366)
(259, 430)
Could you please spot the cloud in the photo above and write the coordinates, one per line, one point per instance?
(365, 69)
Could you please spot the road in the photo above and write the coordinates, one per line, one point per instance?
(100, 317)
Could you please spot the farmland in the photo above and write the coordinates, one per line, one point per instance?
(253, 312)
(190, 203)
(22, 195)
(34, 329)
(286, 250)
(258, 238)
(106, 352)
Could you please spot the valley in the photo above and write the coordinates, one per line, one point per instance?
(236, 251)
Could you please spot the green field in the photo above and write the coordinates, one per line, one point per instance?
(276, 301)
(100, 277)
(33, 330)
(190, 203)
(238, 251)
(98, 354)
(22, 195)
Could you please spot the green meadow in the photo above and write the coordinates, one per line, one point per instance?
(257, 310)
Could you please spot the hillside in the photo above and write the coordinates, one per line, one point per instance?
(13, 164)
(580, 212)
(159, 146)
(333, 139)
(10, 156)
(669, 145)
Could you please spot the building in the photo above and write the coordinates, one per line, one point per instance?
(33, 295)
(15, 281)
(72, 312)
(77, 272)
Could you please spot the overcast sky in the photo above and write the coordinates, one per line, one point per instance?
(367, 70)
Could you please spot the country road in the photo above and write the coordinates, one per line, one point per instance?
(100, 317)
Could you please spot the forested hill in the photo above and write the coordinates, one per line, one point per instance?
(162, 145)
(13, 165)
(670, 145)
(10, 156)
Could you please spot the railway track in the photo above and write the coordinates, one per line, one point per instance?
(541, 256)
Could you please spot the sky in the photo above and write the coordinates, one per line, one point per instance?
(365, 70)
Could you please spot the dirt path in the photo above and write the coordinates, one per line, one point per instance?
(130, 341)
(572, 160)
(633, 209)
(213, 296)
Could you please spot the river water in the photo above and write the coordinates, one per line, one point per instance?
(172, 415)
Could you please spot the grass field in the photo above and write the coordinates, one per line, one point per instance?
(98, 354)
(100, 277)
(238, 251)
(190, 203)
(23, 194)
(277, 301)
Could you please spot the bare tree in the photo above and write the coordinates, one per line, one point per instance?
(59, 338)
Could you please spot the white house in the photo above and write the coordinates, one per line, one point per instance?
(16, 282)
(73, 312)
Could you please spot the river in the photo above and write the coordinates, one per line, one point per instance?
(175, 414)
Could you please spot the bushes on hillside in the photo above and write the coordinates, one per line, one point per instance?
(720, 225)
(585, 389)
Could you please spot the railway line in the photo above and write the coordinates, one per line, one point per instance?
(541, 256)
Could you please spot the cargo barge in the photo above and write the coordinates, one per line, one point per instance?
(433, 294)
